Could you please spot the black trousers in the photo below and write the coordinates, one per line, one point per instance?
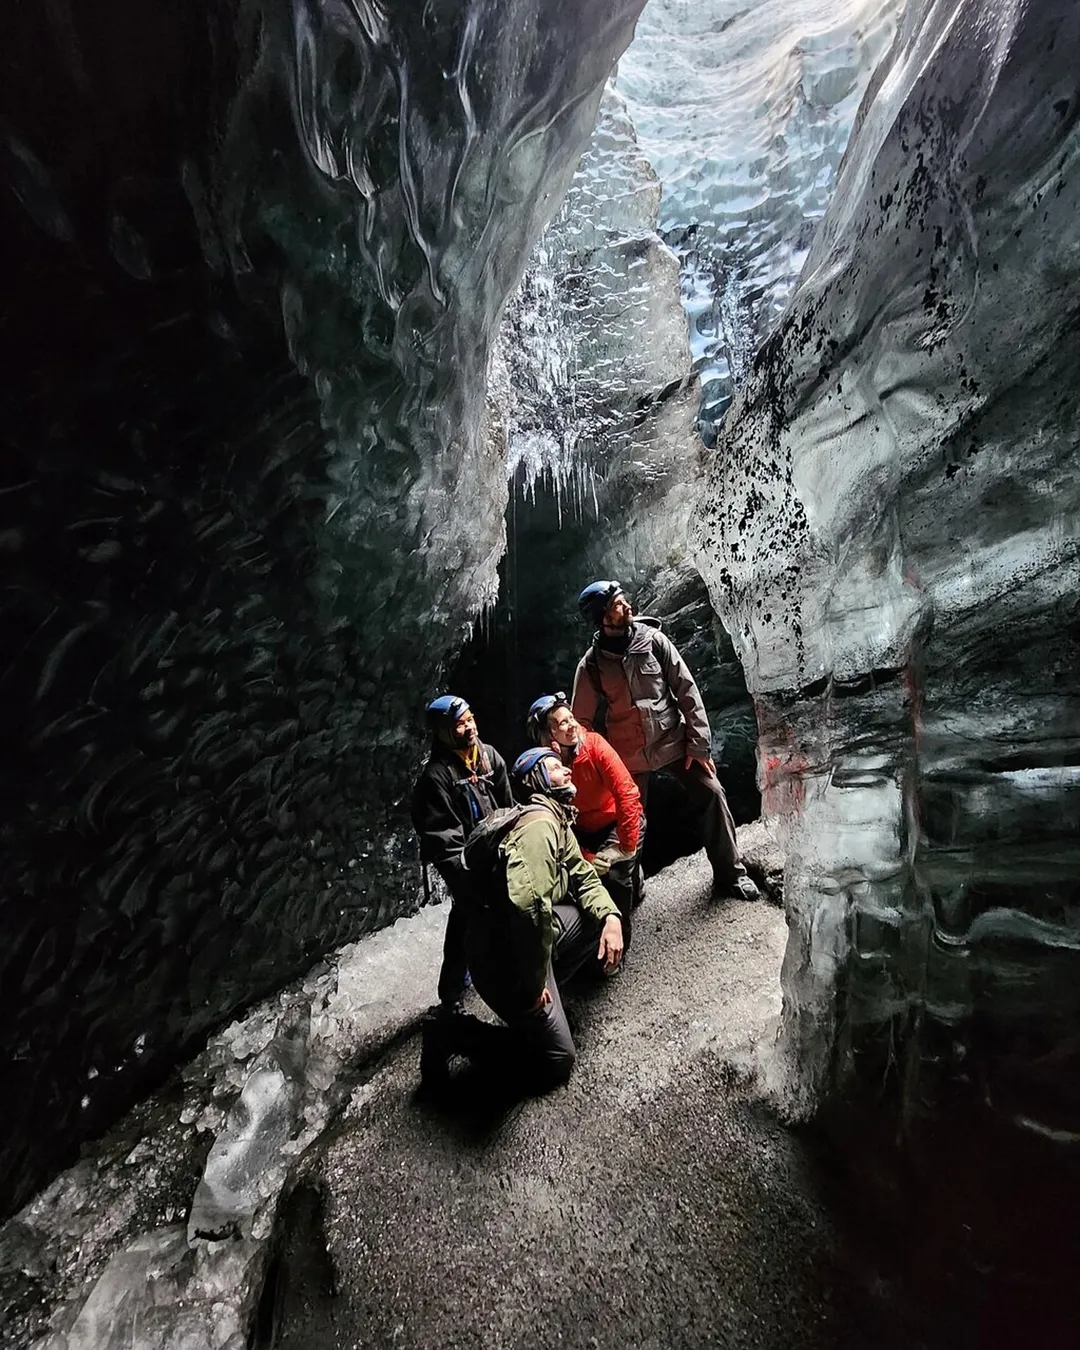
(455, 963)
(708, 799)
(622, 881)
(534, 1050)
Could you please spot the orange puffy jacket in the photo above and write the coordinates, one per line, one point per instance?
(605, 791)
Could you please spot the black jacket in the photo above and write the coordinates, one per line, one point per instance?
(448, 801)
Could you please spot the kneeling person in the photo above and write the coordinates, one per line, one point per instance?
(544, 915)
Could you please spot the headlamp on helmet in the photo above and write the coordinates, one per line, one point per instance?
(537, 716)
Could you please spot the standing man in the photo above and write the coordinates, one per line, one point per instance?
(462, 781)
(634, 683)
(538, 914)
(609, 822)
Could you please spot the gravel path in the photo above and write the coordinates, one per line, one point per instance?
(654, 1202)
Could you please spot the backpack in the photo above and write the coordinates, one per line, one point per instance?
(592, 670)
(482, 856)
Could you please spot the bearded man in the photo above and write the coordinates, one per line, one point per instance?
(462, 782)
(634, 686)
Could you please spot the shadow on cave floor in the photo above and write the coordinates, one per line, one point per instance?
(973, 1223)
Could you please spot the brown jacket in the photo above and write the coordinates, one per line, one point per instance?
(646, 699)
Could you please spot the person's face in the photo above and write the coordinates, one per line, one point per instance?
(465, 733)
(558, 774)
(563, 727)
(617, 617)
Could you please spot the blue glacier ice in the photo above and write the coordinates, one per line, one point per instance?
(744, 112)
(892, 537)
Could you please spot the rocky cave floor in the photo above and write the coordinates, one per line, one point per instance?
(657, 1201)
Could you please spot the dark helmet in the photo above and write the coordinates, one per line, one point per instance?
(538, 714)
(444, 713)
(530, 773)
(596, 597)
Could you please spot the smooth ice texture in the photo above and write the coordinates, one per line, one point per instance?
(892, 536)
(252, 501)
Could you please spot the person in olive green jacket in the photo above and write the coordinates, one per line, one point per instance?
(547, 920)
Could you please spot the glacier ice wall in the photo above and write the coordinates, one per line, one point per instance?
(592, 378)
(744, 112)
(892, 535)
(251, 495)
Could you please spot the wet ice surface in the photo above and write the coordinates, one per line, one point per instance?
(161, 1237)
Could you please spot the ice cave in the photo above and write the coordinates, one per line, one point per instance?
(344, 341)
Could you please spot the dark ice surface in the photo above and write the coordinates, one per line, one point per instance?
(249, 498)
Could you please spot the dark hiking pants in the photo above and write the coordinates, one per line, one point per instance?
(455, 964)
(709, 801)
(622, 881)
(535, 1050)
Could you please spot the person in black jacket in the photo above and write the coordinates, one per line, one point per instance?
(462, 781)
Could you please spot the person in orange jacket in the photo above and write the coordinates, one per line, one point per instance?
(610, 825)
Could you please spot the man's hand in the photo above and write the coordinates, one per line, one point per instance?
(543, 1000)
(608, 857)
(611, 942)
(706, 763)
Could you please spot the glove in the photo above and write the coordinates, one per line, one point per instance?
(610, 857)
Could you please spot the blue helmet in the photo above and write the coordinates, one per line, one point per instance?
(596, 597)
(529, 771)
(537, 716)
(443, 713)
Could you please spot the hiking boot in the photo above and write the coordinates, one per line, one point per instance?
(434, 1055)
(741, 887)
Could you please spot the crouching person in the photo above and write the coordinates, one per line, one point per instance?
(609, 825)
(538, 914)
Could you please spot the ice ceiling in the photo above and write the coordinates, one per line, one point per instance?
(255, 477)
(744, 111)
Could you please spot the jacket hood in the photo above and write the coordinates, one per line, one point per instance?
(567, 814)
(641, 631)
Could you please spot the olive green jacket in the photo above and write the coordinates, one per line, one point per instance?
(511, 950)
